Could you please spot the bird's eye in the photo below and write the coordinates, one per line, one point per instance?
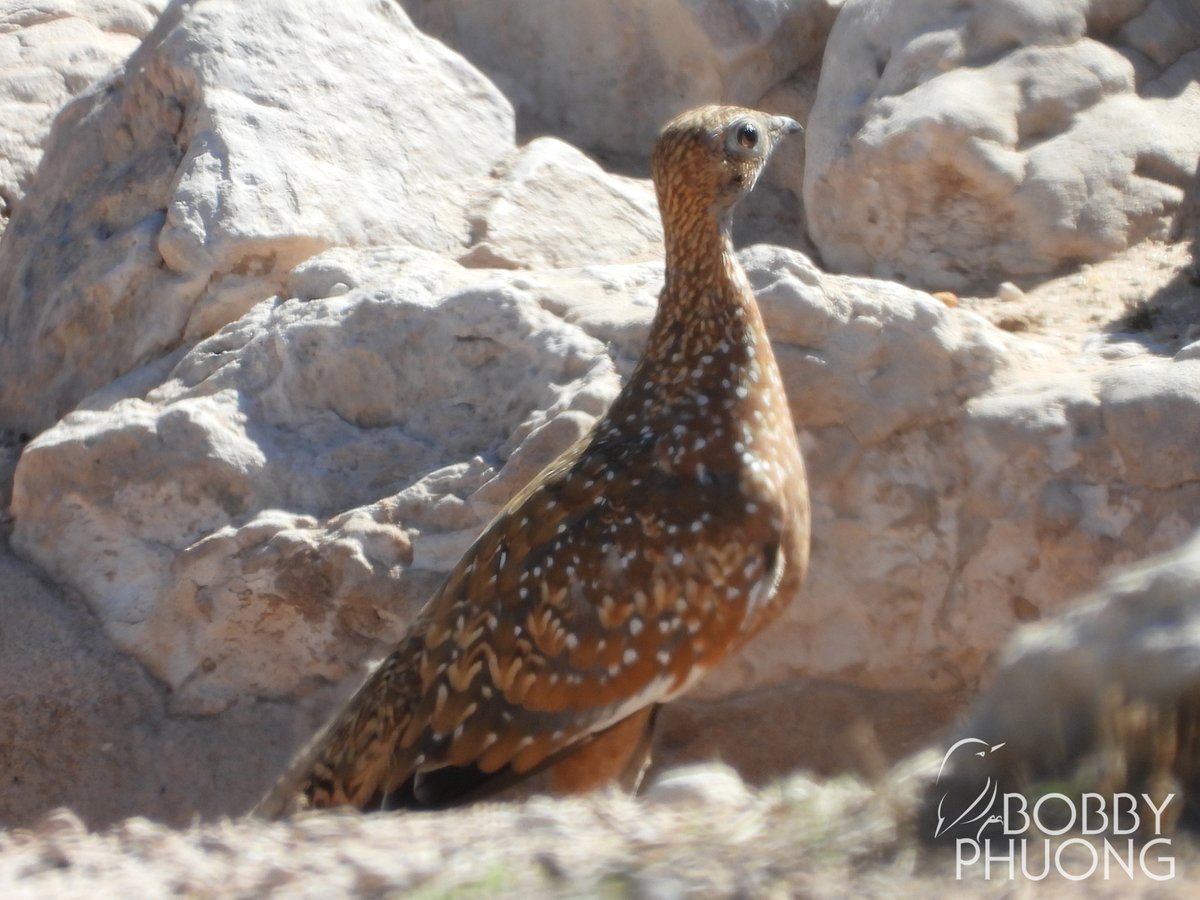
(743, 139)
(747, 135)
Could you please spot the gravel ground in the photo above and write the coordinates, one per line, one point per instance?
(699, 832)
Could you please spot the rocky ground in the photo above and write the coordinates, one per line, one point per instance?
(697, 833)
(1142, 300)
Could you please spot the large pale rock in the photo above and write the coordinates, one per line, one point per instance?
(1072, 476)
(606, 76)
(224, 525)
(287, 492)
(49, 52)
(177, 194)
(1133, 639)
(86, 727)
(954, 145)
(552, 206)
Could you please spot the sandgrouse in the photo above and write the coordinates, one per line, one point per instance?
(649, 551)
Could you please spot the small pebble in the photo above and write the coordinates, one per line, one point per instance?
(1191, 351)
(1009, 292)
(1114, 346)
(700, 783)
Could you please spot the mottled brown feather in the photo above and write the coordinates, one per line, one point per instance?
(637, 561)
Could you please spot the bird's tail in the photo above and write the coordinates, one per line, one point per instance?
(356, 757)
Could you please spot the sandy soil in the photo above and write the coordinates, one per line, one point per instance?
(1145, 300)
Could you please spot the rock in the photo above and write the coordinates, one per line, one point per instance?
(878, 374)
(711, 783)
(1009, 292)
(606, 76)
(554, 207)
(247, 549)
(952, 147)
(184, 189)
(1102, 698)
(963, 481)
(1067, 481)
(49, 52)
(1143, 407)
(876, 358)
(86, 727)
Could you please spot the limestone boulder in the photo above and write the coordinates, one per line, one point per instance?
(50, 52)
(606, 76)
(1073, 476)
(86, 727)
(183, 189)
(289, 488)
(551, 206)
(952, 146)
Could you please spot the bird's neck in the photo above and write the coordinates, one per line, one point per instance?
(706, 307)
(699, 251)
(707, 350)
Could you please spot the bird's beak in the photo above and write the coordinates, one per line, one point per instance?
(782, 125)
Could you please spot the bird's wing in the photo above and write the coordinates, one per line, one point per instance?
(595, 593)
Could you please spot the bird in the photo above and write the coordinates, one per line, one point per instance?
(653, 548)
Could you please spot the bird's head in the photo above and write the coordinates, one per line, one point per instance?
(707, 158)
